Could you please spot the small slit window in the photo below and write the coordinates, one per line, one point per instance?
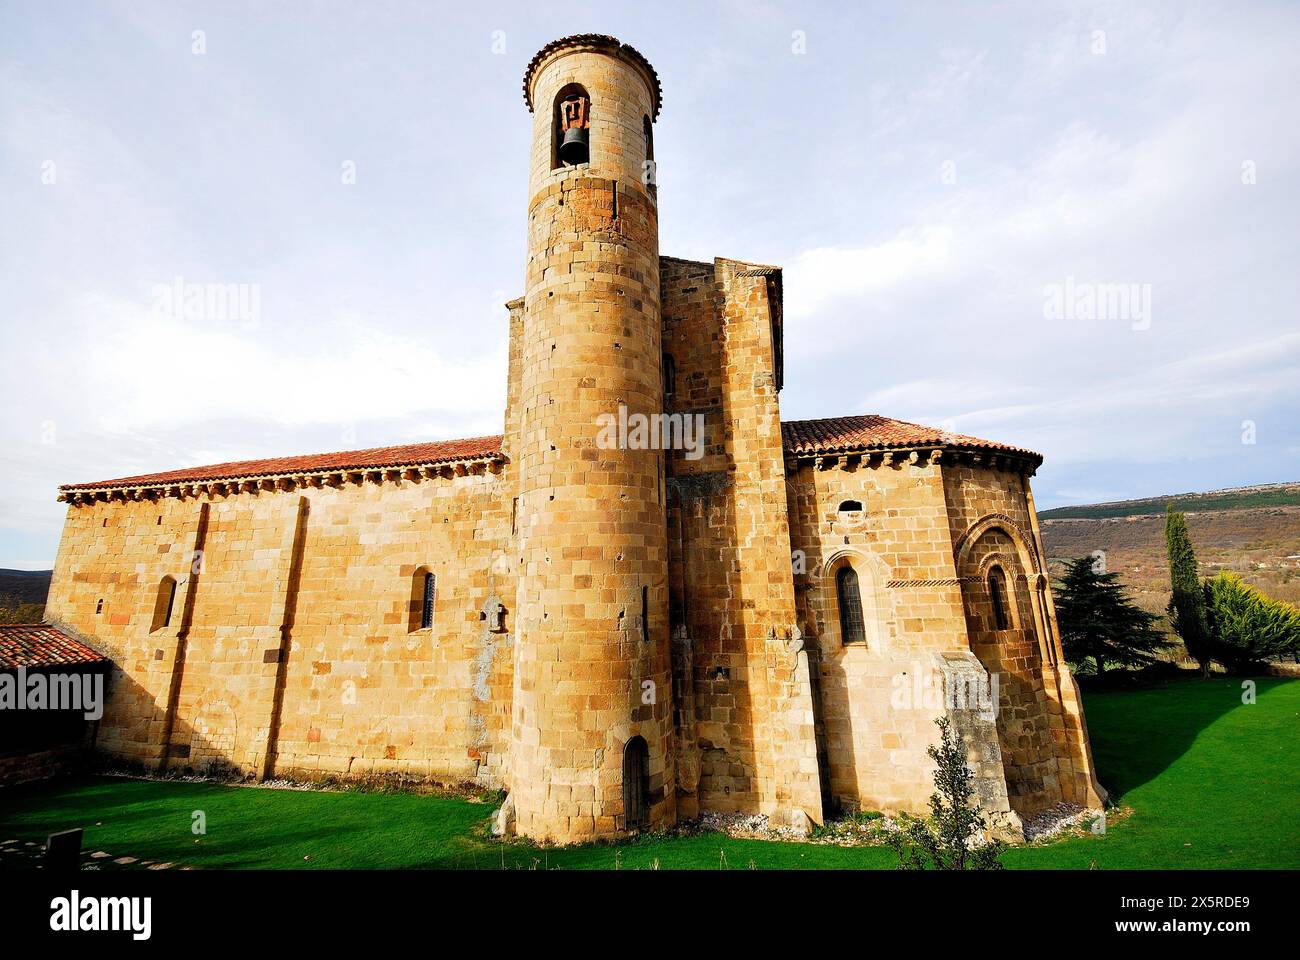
(99, 605)
(424, 593)
(649, 172)
(163, 604)
(426, 604)
(645, 614)
(670, 375)
(849, 599)
(997, 581)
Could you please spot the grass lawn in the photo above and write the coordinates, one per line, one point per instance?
(1211, 783)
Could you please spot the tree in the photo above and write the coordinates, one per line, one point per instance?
(953, 839)
(1186, 598)
(22, 613)
(1101, 623)
(1247, 627)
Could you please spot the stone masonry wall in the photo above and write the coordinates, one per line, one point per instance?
(877, 708)
(1040, 720)
(593, 630)
(927, 529)
(747, 742)
(319, 650)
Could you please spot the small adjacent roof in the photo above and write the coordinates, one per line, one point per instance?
(34, 645)
(873, 432)
(407, 455)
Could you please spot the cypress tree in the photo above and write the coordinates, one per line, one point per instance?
(1186, 597)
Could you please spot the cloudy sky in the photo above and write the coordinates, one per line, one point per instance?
(953, 190)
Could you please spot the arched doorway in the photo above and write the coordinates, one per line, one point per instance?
(636, 784)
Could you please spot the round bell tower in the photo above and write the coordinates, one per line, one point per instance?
(591, 712)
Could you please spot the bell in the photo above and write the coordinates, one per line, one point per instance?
(573, 148)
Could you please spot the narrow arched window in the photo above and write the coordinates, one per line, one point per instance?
(670, 375)
(571, 127)
(997, 581)
(426, 606)
(163, 604)
(849, 599)
(422, 598)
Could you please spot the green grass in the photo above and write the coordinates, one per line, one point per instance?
(1211, 783)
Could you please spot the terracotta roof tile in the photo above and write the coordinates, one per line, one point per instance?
(873, 432)
(800, 437)
(40, 645)
(409, 455)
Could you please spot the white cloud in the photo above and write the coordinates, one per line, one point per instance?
(1123, 169)
(820, 277)
(152, 372)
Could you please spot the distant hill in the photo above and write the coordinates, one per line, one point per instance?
(1231, 498)
(19, 587)
(1252, 531)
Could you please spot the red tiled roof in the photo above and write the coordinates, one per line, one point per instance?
(408, 455)
(593, 40)
(873, 432)
(831, 435)
(40, 645)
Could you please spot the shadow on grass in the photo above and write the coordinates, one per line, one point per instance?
(1210, 783)
(1139, 733)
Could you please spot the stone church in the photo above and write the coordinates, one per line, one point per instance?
(766, 620)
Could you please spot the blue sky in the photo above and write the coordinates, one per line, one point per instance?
(924, 172)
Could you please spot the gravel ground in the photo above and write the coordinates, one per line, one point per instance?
(1060, 819)
(855, 831)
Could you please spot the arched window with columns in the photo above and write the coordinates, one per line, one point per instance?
(997, 581)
